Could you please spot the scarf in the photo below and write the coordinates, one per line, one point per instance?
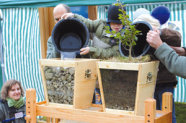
(17, 104)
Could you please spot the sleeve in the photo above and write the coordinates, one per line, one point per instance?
(102, 53)
(51, 51)
(185, 50)
(173, 62)
(92, 25)
(2, 117)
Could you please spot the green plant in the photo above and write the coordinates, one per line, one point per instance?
(127, 35)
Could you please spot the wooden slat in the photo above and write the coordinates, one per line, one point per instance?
(44, 83)
(44, 30)
(101, 87)
(165, 118)
(57, 63)
(118, 65)
(145, 86)
(30, 106)
(86, 115)
(46, 23)
(150, 110)
(92, 12)
(83, 86)
(167, 102)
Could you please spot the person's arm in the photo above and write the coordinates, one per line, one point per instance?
(104, 53)
(92, 25)
(180, 50)
(174, 63)
(51, 51)
(2, 116)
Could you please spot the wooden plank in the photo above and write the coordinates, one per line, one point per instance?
(57, 63)
(150, 110)
(165, 118)
(86, 115)
(84, 83)
(145, 85)
(44, 83)
(44, 30)
(118, 65)
(100, 86)
(167, 102)
(30, 106)
(46, 23)
(92, 12)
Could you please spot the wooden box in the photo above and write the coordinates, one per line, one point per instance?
(58, 90)
(127, 85)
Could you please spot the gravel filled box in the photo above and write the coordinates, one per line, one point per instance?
(70, 81)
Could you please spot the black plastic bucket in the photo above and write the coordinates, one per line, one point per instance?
(69, 36)
(142, 47)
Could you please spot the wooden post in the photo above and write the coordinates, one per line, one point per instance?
(46, 23)
(30, 106)
(167, 102)
(150, 110)
(92, 12)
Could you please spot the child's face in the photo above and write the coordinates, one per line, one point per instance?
(116, 27)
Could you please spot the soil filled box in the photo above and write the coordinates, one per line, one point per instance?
(69, 81)
(125, 86)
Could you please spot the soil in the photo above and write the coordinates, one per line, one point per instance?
(119, 87)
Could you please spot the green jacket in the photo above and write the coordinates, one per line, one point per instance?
(5, 112)
(173, 62)
(51, 51)
(108, 49)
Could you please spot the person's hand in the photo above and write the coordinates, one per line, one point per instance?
(84, 51)
(153, 38)
(67, 15)
(179, 50)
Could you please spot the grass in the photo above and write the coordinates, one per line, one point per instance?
(180, 112)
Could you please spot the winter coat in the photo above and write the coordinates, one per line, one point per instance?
(51, 51)
(173, 62)
(7, 113)
(102, 45)
(166, 78)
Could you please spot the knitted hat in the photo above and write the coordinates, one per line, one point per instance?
(171, 37)
(139, 12)
(148, 18)
(113, 14)
(161, 13)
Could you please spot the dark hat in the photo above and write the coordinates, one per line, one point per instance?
(142, 47)
(70, 35)
(113, 14)
(171, 37)
(161, 13)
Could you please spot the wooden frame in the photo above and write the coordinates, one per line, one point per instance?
(145, 85)
(83, 86)
(34, 109)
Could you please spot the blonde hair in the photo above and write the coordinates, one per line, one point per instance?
(149, 19)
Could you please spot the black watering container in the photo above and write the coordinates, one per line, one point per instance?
(69, 36)
(142, 47)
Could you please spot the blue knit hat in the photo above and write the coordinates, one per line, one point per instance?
(113, 14)
(161, 13)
